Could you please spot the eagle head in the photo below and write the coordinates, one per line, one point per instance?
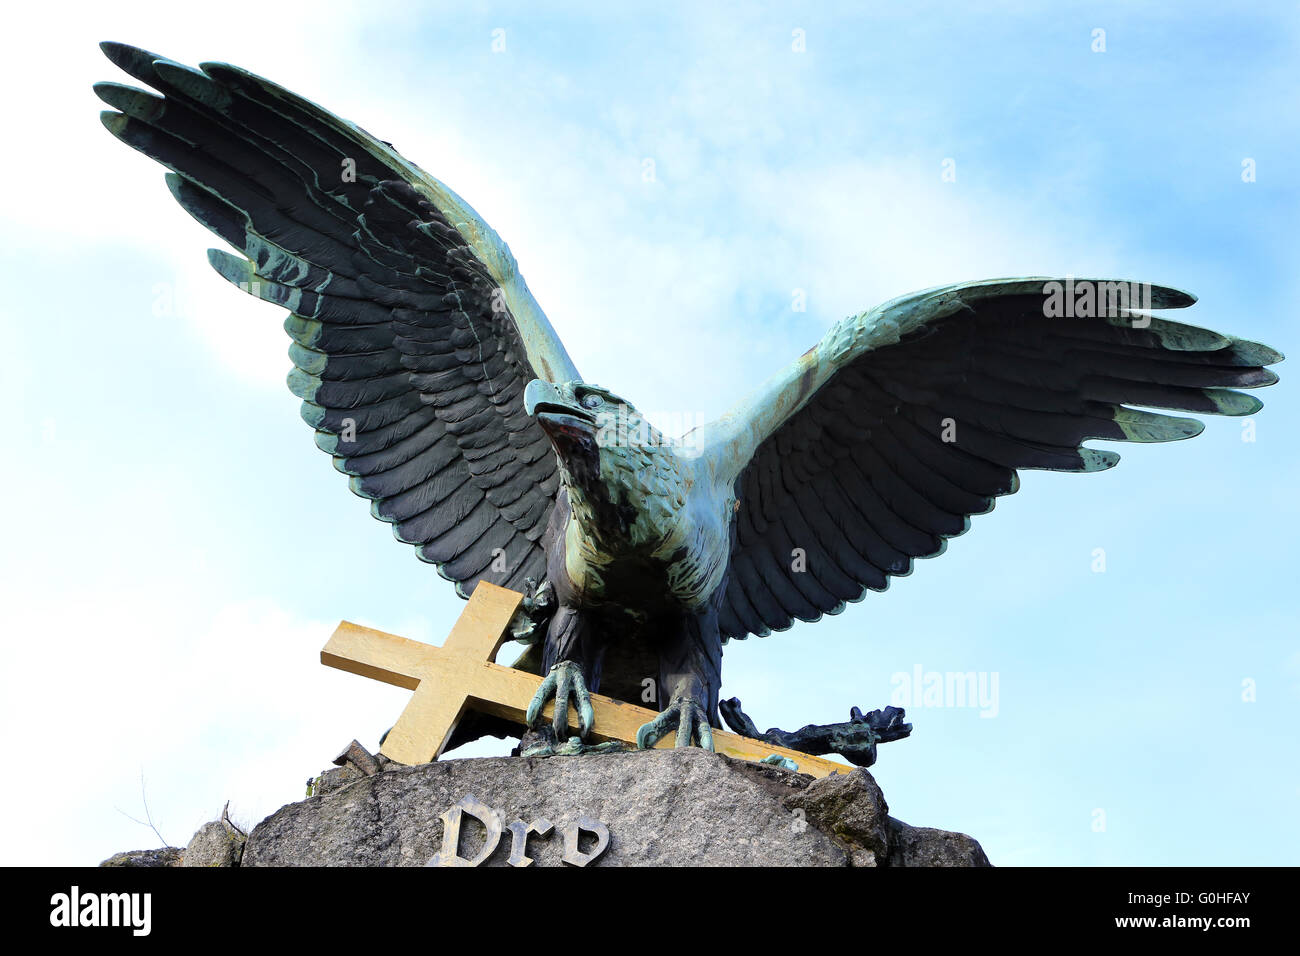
(624, 481)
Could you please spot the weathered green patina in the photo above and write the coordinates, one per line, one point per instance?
(436, 383)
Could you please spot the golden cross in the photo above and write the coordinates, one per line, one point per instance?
(462, 675)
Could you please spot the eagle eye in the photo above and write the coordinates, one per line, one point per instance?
(592, 400)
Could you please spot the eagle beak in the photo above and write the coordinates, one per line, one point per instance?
(538, 392)
(560, 416)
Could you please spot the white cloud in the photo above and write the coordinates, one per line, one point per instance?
(109, 685)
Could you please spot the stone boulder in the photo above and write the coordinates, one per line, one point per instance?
(162, 856)
(922, 846)
(219, 843)
(684, 807)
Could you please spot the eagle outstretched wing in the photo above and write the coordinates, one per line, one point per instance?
(413, 333)
(879, 444)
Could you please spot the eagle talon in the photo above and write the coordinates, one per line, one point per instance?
(564, 681)
(690, 719)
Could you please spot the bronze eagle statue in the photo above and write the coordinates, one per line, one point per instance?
(435, 382)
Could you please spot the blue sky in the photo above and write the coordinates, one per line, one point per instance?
(178, 550)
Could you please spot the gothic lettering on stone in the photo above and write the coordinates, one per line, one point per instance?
(449, 855)
(570, 833)
(519, 839)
